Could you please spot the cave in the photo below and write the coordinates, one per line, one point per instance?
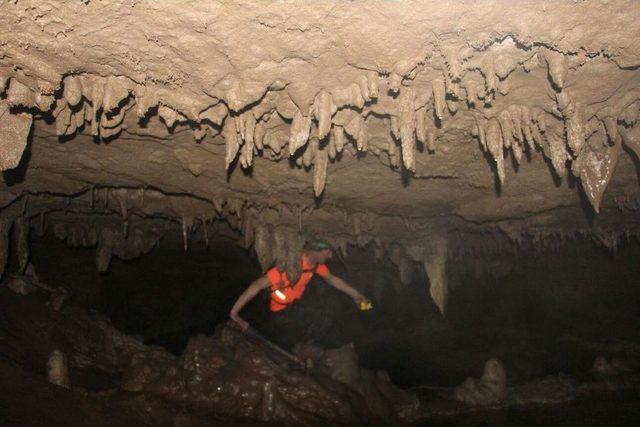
(319, 213)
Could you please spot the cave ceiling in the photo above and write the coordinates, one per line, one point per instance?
(400, 123)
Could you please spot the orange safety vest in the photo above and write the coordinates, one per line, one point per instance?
(283, 293)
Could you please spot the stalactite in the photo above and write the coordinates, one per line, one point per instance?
(299, 133)
(19, 94)
(264, 246)
(488, 70)
(320, 172)
(556, 65)
(14, 132)
(573, 121)
(231, 140)
(339, 137)
(104, 250)
(597, 168)
(309, 154)
(558, 154)
(407, 128)
(631, 138)
(435, 265)
(72, 90)
(494, 146)
(324, 109)
(439, 95)
(114, 93)
(506, 127)
(405, 271)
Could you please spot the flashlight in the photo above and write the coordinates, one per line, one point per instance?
(365, 305)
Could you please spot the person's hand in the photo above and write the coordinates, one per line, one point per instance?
(242, 324)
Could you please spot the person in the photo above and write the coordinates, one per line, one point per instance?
(314, 257)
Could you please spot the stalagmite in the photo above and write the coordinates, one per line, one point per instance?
(407, 128)
(435, 264)
(320, 172)
(324, 109)
(299, 132)
(14, 132)
(596, 171)
(494, 146)
(21, 240)
(72, 90)
(439, 95)
(556, 64)
(231, 139)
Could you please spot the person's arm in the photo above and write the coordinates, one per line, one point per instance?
(248, 294)
(342, 286)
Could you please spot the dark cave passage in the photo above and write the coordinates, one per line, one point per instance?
(547, 312)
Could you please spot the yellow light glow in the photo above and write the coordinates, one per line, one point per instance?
(280, 294)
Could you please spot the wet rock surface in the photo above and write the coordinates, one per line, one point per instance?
(230, 377)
